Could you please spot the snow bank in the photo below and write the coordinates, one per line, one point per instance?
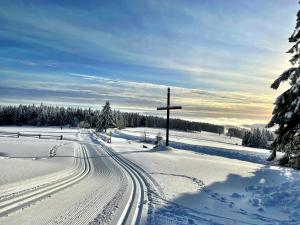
(217, 148)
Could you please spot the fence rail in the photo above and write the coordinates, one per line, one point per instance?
(40, 136)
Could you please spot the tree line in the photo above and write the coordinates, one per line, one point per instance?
(258, 138)
(44, 115)
(255, 138)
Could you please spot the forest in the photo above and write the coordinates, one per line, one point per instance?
(45, 115)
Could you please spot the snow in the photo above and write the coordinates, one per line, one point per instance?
(28, 157)
(296, 32)
(288, 115)
(202, 178)
(48, 132)
(180, 135)
(23, 160)
(204, 142)
(198, 187)
(69, 188)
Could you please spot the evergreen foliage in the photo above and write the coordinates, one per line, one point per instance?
(106, 118)
(43, 115)
(235, 132)
(257, 138)
(286, 113)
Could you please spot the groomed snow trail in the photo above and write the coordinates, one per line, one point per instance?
(138, 208)
(15, 198)
(135, 211)
(102, 187)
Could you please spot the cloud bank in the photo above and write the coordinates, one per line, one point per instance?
(219, 57)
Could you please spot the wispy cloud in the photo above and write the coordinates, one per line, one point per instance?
(92, 91)
(217, 56)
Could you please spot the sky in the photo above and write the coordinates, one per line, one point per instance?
(219, 57)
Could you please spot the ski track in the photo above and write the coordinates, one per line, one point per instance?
(136, 209)
(24, 195)
(101, 187)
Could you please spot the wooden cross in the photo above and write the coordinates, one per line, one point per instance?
(168, 108)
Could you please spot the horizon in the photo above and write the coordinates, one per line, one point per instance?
(218, 60)
(256, 125)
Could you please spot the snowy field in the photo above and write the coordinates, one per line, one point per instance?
(53, 181)
(204, 142)
(203, 178)
(28, 157)
(47, 132)
(197, 186)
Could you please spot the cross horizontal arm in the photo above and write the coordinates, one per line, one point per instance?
(162, 108)
(175, 107)
(169, 107)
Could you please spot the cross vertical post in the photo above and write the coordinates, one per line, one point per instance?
(168, 108)
(168, 118)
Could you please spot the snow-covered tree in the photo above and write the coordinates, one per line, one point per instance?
(119, 119)
(43, 115)
(106, 118)
(235, 132)
(256, 138)
(246, 138)
(286, 113)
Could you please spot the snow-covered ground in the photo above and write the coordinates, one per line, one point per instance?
(47, 132)
(204, 185)
(28, 157)
(203, 178)
(204, 142)
(204, 137)
(79, 184)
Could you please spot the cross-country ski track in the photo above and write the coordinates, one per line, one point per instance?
(102, 187)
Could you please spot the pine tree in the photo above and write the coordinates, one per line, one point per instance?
(246, 138)
(255, 138)
(106, 118)
(286, 113)
(119, 118)
(263, 141)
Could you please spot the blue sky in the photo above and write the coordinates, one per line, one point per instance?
(219, 57)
